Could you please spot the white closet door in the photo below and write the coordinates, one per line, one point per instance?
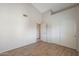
(67, 33)
(43, 32)
(53, 31)
(62, 30)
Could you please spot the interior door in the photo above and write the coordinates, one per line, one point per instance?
(38, 32)
(60, 31)
(68, 33)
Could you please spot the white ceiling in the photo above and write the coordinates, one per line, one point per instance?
(43, 7)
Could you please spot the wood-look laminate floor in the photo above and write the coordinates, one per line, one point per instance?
(41, 49)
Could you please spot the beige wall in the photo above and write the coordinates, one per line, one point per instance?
(15, 29)
(61, 27)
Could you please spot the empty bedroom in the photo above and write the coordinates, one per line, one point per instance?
(39, 29)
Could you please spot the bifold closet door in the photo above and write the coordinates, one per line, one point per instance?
(68, 33)
(60, 31)
(43, 32)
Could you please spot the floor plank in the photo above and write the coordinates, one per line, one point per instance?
(41, 49)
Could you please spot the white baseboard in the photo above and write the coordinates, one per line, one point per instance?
(17, 47)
